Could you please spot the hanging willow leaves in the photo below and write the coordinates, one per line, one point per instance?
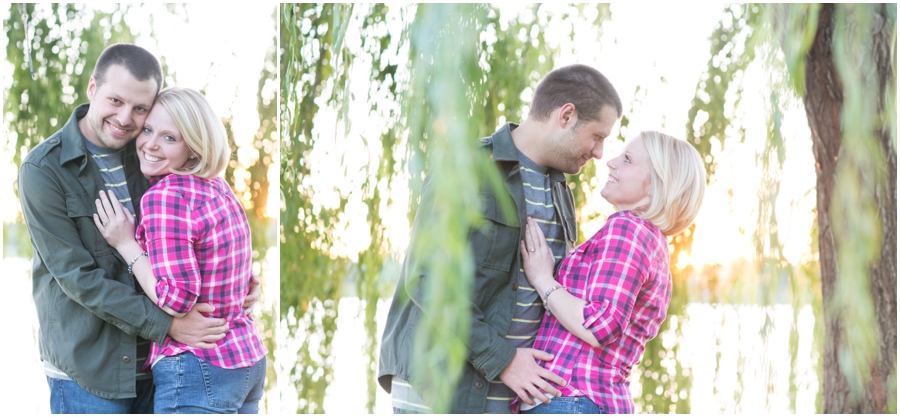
(310, 276)
(64, 50)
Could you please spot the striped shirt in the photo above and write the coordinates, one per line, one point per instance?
(109, 162)
(529, 307)
(198, 240)
(623, 274)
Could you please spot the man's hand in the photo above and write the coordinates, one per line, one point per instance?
(524, 376)
(252, 295)
(196, 330)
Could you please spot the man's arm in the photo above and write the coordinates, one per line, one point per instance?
(53, 219)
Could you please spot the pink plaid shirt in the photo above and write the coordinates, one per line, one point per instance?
(198, 238)
(623, 274)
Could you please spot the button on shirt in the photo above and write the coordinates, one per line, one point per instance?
(623, 274)
(198, 240)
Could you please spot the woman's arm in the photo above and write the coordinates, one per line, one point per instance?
(538, 262)
(117, 227)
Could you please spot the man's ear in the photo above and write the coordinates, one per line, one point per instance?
(566, 116)
(92, 88)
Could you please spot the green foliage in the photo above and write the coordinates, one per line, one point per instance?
(310, 275)
(794, 28)
(63, 54)
(731, 51)
(443, 55)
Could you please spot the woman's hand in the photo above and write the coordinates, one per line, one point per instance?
(114, 221)
(537, 258)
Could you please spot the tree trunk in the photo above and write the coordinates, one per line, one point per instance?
(823, 100)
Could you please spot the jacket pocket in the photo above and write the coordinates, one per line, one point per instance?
(495, 240)
(81, 209)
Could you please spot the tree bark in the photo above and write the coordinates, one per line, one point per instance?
(823, 100)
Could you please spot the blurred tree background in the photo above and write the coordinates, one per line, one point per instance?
(374, 96)
(50, 54)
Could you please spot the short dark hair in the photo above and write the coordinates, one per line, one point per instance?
(581, 85)
(138, 61)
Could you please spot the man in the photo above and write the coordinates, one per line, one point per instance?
(94, 324)
(573, 111)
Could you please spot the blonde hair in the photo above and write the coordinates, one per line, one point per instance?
(677, 182)
(201, 129)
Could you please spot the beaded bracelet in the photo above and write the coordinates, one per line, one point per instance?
(547, 295)
(133, 260)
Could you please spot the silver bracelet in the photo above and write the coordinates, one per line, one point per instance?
(133, 260)
(547, 296)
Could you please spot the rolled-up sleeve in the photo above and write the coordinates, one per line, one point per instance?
(616, 275)
(169, 235)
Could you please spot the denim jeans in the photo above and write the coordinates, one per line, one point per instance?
(567, 405)
(66, 397)
(185, 384)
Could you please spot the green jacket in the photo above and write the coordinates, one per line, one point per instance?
(88, 309)
(495, 251)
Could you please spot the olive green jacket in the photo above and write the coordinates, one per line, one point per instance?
(495, 251)
(88, 309)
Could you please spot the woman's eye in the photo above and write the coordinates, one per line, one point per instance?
(147, 130)
(170, 138)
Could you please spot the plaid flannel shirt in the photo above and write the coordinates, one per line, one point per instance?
(623, 274)
(198, 240)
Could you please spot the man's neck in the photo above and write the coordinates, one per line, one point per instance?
(530, 138)
(86, 131)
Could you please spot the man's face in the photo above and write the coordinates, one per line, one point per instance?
(118, 108)
(573, 147)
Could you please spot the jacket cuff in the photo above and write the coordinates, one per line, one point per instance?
(490, 364)
(158, 324)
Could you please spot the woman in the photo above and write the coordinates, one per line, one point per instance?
(611, 293)
(192, 245)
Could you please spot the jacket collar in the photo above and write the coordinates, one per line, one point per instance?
(71, 138)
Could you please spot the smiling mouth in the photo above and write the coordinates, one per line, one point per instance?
(117, 130)
(611, 179)
(151, 158)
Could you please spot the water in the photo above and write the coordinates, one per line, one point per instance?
(733, 359)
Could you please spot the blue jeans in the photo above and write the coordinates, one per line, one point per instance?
(66, 397)
(185, 384)
(567, 405)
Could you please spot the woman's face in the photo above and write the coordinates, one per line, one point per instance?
(160, 146)
(629, 177)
